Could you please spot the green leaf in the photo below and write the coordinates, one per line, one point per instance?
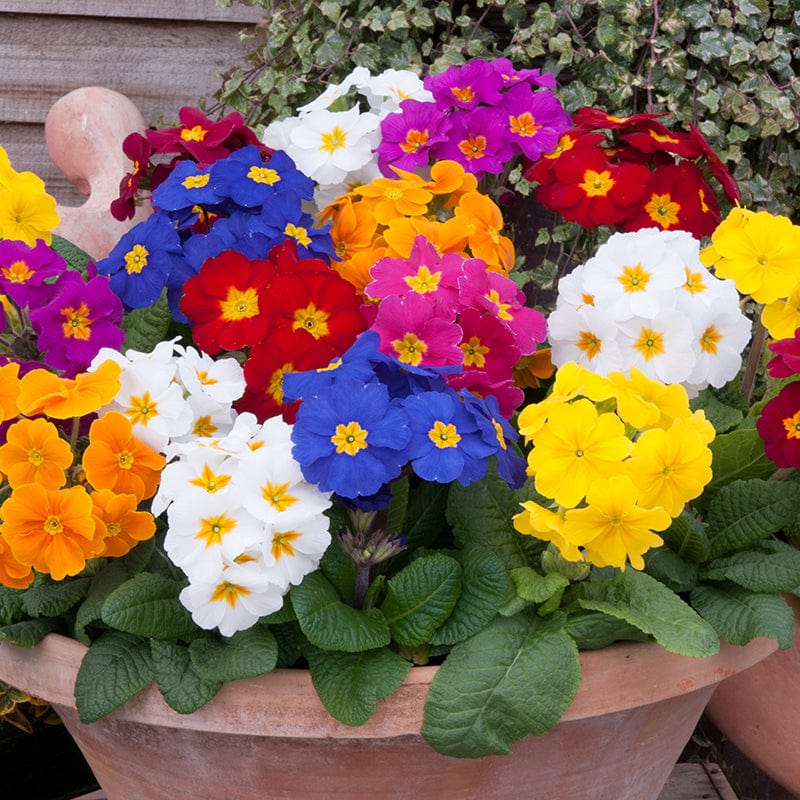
(420, 597)
(425, 516)
(350, 684)
(514, 679)
(398, 506)
(10, 604)
(777, 571)
(670, 569)
(49, 598)
(740, 616)
(146, 327)
(737, 455)
(180, 683)
(76, 258)
(593, 630)
(687, 537)
(115, 668)
(535, 587)
(331, 624)
(653, 608)
(148, 605)
(485, 587)
(246, 654)
(723, 417)
(339, 569)
(90, 610)
(29, 632)
(746, 512)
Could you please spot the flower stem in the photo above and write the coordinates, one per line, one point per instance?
(753, 360)
(362, 585)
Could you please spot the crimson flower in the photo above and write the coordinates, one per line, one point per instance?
(786, 363)
(224, 302)
(138, 150)
(779, 426)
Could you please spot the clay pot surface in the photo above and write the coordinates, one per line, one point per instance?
(759, 711)
(270, 737)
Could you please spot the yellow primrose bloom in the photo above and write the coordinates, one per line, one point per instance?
(670, 467)
(762, 256)
(644, 403)
(612, 527)
(546, 524)
(737, 218)
(27, 212)
(782, 317)
(7, 172)
(575, 447)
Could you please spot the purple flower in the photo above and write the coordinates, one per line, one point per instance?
(534, 120)
(408, 135)
(82, 318)
(478, 141)
(24, 270)
(465, 86)
(512, 76)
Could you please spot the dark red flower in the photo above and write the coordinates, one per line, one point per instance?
(786, 363)
(653, 136)
(543, 170)
(225, 300)
(779, 426)
(597, 118)
(716, 167)
(138, 150)
(284, 257)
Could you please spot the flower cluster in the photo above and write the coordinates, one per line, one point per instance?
(483, 114)
(68, 501)
(645, 300)
(632, 172)
(634, 452)
(27, 212)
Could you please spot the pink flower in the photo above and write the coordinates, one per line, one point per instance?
(534, 120)
(465, 86)
(478, 141)
(408, 135)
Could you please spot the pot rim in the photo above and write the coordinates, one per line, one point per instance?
(283, 702)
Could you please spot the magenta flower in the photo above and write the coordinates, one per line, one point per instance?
(534, 120)
(779, 426)
(424, 272)
(81, 319)
(416, 333)
(408, 135)
(24, 270)
(513, 77)
(485, 385)
(786, 363)
(478, 141)
(465, 86)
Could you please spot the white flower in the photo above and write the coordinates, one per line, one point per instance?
(585, 335)
(571, 290)
(326, 193)
(210, 420)
(277, 134)
(720, 335)
(660, 347)
(221, 379)
(386, 91)
(327, 145)
(293, 552)
(358, 77)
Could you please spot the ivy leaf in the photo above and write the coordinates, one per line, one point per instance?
(739, 616)
(642, 601)
(331, 624)
(146, 327)
(246, 654)
(49, 598)
(746, 512)
(420, 597)
(180, 683)
(350, 684)
(514, 679)
(115, 668)
(148, 605)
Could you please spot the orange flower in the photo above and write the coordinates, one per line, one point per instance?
(449, 177)
(123, 524)
(43, 392)
(486, 223)
(35, 453)
(531, 370)
(390, 198)
(115, 459)
(447, 237)
(52, 531)
(9, 391)
(12, 573)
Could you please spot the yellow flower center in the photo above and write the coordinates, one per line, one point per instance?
(239, 304)
(792, 425)
(136, 259)
(35, 457)
(650, 343)
(17, 272)
(424, 281)
(195, 181)
(277, 495)
(333, 140)
(473, 147)
(282, 544)
(523, 125)
(213, 529)
(275, 386)
(589, 343)
(634, 279)
(709, 339)
(210, 481)
(229, 593)
(53, 526)
(349, 438)
(142, 409)
(465, 94)
(694, 282)
(663, 210)
(203, 426)
(414, 140)
(125, 460)
(313, 320)
(474, 353)
(263, 175)
(77, 324)
(502, 308)
(597, 184)
(113, 529)
(444, 434)
(195, 134)
(410, 349)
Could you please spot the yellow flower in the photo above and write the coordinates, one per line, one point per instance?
(644, 403)
(543, 523)
(575, 448)
(761, 256)
(7, 172)
(782, 317)
(612, 527)
(670, 467)
(27, 212)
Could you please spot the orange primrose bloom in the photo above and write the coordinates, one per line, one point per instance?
(9, 391)
(531, 370)
(447, 237)
(43, 392)
(396, 197)
(51, 531)
(115, 459)
(486, 240)
(35, 453)
(123, 524)
(12, 573)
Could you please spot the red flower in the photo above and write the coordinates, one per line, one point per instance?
(678, 199)
(138, 150)
(543, 170)
(716, 167)
(779, 426)
(653, 136)
(224, 301)
(592, 191)
(284, 257)
(786, 363)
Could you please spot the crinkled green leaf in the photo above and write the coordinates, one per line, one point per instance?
(514, 679)
(535, 587)
(746, 512)
(593, 630)
(653, 608)
(739, 615)
(146, 327)
(485, 587)
(183, 687)
(723, 417)
(331, 624)
(148, 605)
(687, 537)
(670, 569)
(115, 668)
(737, 455)
(420, 597)
(350, 684)
(246, 654)
(49, 598)
(29, 632)
(76, 258)
(772, 570)
(90, 610)
(10, 604)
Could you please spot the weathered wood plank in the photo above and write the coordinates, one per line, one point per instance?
(137, 9)
(159, 65)
(697, 782)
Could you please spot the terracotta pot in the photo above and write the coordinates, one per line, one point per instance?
(759, 711)
(270, 737)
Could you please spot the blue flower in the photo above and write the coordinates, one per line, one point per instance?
(447, 445)
(283, 218)
(188, 185)
(350, 438)
(142, 261)
(249, 182)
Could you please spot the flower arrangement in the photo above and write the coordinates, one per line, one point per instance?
(328, 439)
